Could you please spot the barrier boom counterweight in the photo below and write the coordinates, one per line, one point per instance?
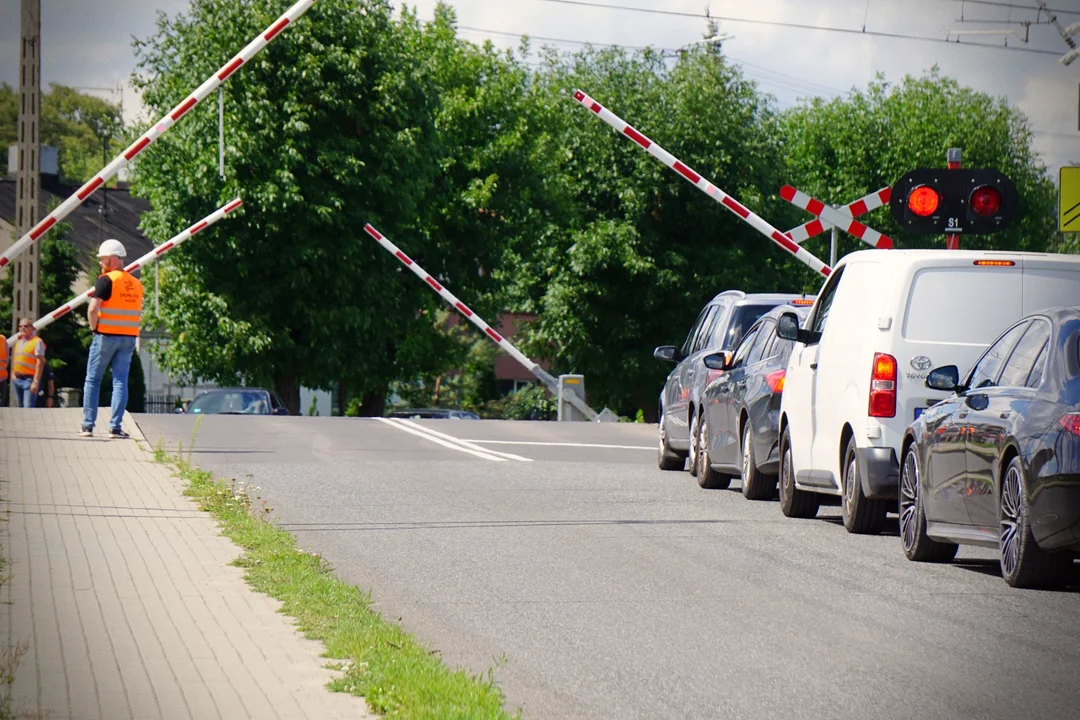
(702, 184)
(160, 128)
(545, 377)
(148, 259)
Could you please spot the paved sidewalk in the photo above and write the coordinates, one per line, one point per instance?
(124, 592)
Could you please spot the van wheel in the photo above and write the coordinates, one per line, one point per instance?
(1023, 563)
(755, 484)
(918, 546)
(794, 503)
(861, 514)
(707, 477)
(666, 458)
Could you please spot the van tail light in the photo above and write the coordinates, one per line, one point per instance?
(883, 386)
(775, 381)
(1071, 422)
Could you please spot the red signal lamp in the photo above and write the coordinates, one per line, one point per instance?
(923, 201)
(985, 201)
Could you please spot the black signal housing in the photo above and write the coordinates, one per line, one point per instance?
(970, 202)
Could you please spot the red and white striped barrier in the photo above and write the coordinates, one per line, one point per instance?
(544, 376)
(147, 259)
(701, 183)
(860, 207)
(845, 222)
(121, 160)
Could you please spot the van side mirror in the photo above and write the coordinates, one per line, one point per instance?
(668, 352)
(945, 378)
(719, 360)
(787, 328)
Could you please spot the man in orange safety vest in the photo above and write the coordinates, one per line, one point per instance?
(115, 314)
(27, 364)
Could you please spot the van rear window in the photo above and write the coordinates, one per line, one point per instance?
(963, 305)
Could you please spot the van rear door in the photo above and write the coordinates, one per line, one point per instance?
(1050, 281)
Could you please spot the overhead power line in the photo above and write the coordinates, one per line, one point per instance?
(803, 26)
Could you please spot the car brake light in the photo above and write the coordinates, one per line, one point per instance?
(883, 386)
(1071, 422)
(995, 263)
(801, 301)
(775, 381)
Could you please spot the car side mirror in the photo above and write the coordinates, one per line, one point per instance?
(787, 328)
(668, 352)
(281, 411)
(719, 360)
(945, 378)
(179, 411)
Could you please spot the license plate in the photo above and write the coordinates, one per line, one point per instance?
(918, 412)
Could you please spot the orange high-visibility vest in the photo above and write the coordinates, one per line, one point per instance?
(3, 359)
(121, 314)
(24, 361)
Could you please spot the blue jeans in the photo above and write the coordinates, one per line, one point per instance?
(106, 350)
(23, 397)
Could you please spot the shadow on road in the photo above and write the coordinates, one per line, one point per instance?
(992, 568)
(467, 525)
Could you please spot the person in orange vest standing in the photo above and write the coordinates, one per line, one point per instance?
(115, 314)
(27, 365)
(3, 366)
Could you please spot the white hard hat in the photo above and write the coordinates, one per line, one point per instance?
(113, 248)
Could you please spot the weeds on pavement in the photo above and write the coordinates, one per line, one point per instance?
(397, 676)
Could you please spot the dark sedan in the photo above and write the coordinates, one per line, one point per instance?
(737, 430)
(237, 401)
(997, 464)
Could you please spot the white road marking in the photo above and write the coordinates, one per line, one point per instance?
(486, 455)
(562, 444)
(465, 443)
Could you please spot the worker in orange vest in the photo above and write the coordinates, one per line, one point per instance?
(27, 364)
(115, 314)
(3, 365)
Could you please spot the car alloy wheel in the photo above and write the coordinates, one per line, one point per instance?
(1012, 515)
(747, 455)
(909, 501)
(695, 453)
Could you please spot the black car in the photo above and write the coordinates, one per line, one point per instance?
(237, 401)
(737, 430)
(997, 464)
(720, 326)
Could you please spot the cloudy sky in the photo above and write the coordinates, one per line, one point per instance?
(793, 48)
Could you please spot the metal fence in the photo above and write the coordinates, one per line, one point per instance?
(161, 403)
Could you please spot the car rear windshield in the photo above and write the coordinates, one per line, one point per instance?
(962, 305)
(741, 320)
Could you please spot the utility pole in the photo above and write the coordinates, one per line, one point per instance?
(28, 173)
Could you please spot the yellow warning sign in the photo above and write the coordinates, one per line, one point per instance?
(1069, 199)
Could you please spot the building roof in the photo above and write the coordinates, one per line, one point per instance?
(121, 220)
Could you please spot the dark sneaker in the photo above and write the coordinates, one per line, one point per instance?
(86, 432)
(118, 434)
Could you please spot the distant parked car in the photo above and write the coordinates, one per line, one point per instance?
(737, 430)
(434, 413)
(236, 401)
(720, 326)
(998, 463)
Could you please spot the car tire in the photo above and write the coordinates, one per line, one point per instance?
(861, 515)
(794, 503)
(1023, 563)
(756, 485)
(707, 478)
(666, 458)
(918, 546)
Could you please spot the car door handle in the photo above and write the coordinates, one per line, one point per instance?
(963, 414)
(813, 366)
(1005, 414)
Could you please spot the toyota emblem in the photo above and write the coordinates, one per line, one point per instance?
(921, 362)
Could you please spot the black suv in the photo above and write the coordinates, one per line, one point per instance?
(720, 326)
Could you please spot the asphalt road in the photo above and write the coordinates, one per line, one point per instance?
(602, 587)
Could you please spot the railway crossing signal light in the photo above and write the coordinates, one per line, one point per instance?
(936, 201)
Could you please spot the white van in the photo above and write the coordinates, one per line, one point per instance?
(856, 377)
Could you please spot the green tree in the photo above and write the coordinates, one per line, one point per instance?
(843, 148)
(77, 124)
(638, 251)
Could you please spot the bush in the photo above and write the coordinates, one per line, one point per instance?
(531, 403)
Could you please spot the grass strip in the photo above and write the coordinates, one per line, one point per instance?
(398, 677)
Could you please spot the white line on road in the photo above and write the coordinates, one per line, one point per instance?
(465, 443)
(486, 455)
(562, 444)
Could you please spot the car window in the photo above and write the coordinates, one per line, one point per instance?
(246, 402)
(986, 371)
(1022, 361)
(825, 301)
(701, 341)
(765, 335)
(743, 351)
(1038, 367)
(694, 331)
(742, 319)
